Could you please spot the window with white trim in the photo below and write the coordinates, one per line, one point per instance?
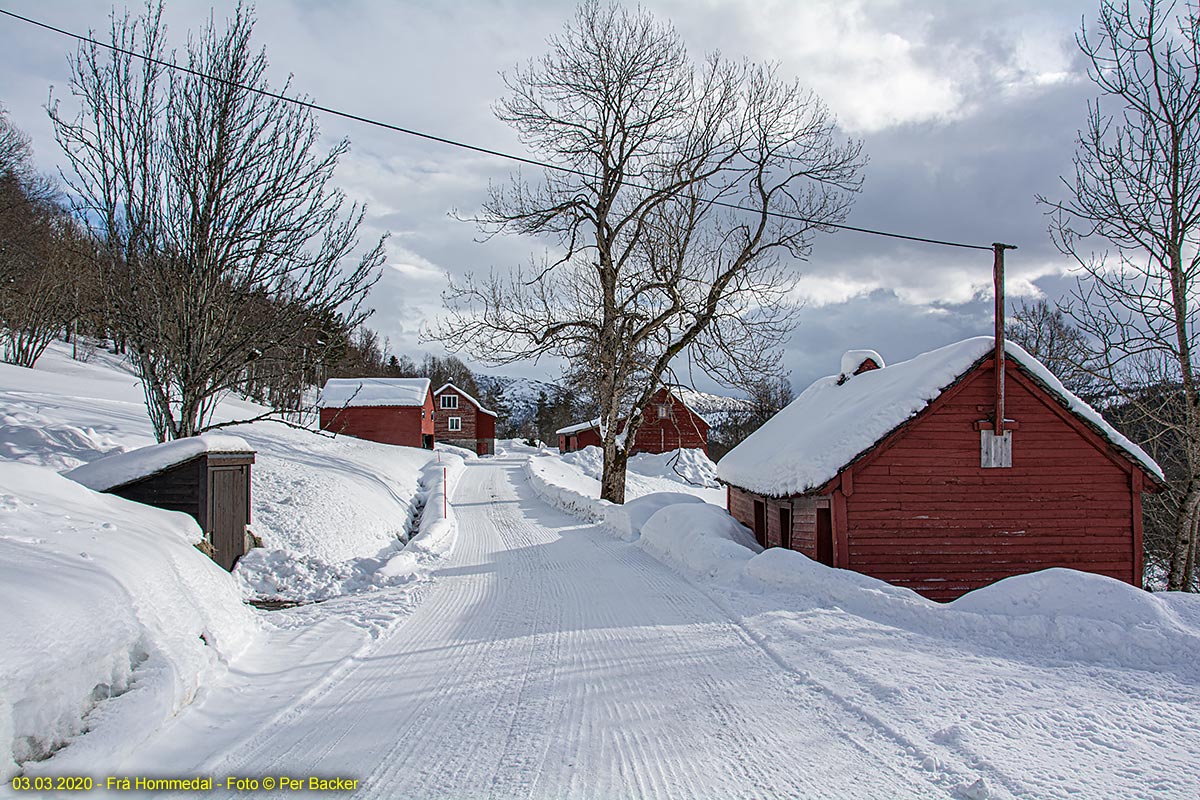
(454, 423)
(449, 401)
(664, 411)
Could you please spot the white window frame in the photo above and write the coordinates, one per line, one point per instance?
(453, 401)
(454, 423)
(664, 411)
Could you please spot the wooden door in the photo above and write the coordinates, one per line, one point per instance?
(785, 527)
(760, 522)
(825, 536)
(227, 514)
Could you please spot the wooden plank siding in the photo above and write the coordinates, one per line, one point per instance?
(924, 514)
(400, 425)
(477, 431)
(803, 514)
(681, 428)
(918, 510)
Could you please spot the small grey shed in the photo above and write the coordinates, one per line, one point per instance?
(207, 477)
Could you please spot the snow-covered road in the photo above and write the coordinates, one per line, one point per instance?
(551, 660)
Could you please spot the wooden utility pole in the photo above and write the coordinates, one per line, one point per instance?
(998, 282)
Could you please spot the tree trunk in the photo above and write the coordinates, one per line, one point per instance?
(1179, 579)
(612, 480)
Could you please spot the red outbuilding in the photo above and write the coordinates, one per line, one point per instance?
(387, 410)
(463, 422)
(899, 472)
(669, 424)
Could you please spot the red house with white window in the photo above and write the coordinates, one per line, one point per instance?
(387, 410)
(669, 424)
(463, 422)
(899, 472)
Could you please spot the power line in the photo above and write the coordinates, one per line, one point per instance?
(462, 145)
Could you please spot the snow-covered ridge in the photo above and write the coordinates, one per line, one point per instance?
(833, 422)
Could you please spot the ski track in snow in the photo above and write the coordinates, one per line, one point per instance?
(550, 660)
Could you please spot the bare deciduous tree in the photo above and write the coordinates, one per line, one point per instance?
(210, 199)
(1046, 334)
(648, 270)
(1132, 222)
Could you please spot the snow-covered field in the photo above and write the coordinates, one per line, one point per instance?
(114, 621)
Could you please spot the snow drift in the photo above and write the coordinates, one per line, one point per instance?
(113, 620)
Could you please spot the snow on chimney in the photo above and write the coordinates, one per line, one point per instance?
(855, 362)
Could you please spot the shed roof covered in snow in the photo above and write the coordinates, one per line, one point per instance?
(357, 392)
(112, 472)
(831, 424)
(473, 401)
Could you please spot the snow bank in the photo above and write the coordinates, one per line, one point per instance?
(112, 621)
(300, 575)
(119, 469)
(1059, 614)
(627, 520)
(563, 486)
(699, 538)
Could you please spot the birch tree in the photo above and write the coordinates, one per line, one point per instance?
(210, 199)
(648, 266)
(1131, 220)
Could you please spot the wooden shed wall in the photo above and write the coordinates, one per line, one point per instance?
(400, 425)
(922, 512)
(803, 512)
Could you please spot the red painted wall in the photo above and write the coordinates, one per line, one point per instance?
(919, 511)
(401, 425)
(682, 429)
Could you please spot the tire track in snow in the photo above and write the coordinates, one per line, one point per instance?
(551, 660)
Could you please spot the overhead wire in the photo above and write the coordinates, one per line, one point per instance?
(464, 145)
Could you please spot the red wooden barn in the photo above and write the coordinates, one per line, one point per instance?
(463, 422)
(388, 410)
(669, 425)
(897, 472)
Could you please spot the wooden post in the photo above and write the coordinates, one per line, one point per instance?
(998, 284)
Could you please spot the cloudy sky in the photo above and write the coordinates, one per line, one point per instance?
(966, 110)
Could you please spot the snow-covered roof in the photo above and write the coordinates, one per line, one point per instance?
(581, 426)
(830, 425)
(356, 392)
(466, 395)
(119, 469)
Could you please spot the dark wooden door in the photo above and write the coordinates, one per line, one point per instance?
(227, 514)
(785, 528)
(825, 536)
(760, 522)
